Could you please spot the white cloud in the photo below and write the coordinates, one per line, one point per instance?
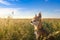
(18, 13)
(5, 2)
(4, 12)
(13, 0)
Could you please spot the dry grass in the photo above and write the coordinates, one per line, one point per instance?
(21, 29)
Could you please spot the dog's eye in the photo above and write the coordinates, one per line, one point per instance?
(31, 21)
(34, 20)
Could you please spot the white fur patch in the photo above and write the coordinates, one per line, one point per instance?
(35, 27)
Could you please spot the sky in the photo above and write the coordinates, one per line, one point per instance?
(28, 8)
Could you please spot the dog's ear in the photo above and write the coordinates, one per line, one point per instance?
(39, 15)
(35, 16)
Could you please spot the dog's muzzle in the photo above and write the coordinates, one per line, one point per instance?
(31, 22)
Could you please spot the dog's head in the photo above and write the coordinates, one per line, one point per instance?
(35, 21)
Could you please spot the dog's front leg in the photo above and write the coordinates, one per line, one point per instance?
(37, 35)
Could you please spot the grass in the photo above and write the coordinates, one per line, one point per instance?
(21, 29)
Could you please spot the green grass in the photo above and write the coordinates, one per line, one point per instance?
(21, 29)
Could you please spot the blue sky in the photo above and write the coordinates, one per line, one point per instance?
(28, 8)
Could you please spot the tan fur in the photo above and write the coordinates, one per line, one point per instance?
(38, 27)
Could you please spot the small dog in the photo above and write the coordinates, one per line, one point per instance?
(38, 29)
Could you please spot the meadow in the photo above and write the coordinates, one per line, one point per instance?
(21, 29)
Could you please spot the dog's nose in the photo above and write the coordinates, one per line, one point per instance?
(31, 21)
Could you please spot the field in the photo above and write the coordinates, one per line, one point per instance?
(21, 29)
